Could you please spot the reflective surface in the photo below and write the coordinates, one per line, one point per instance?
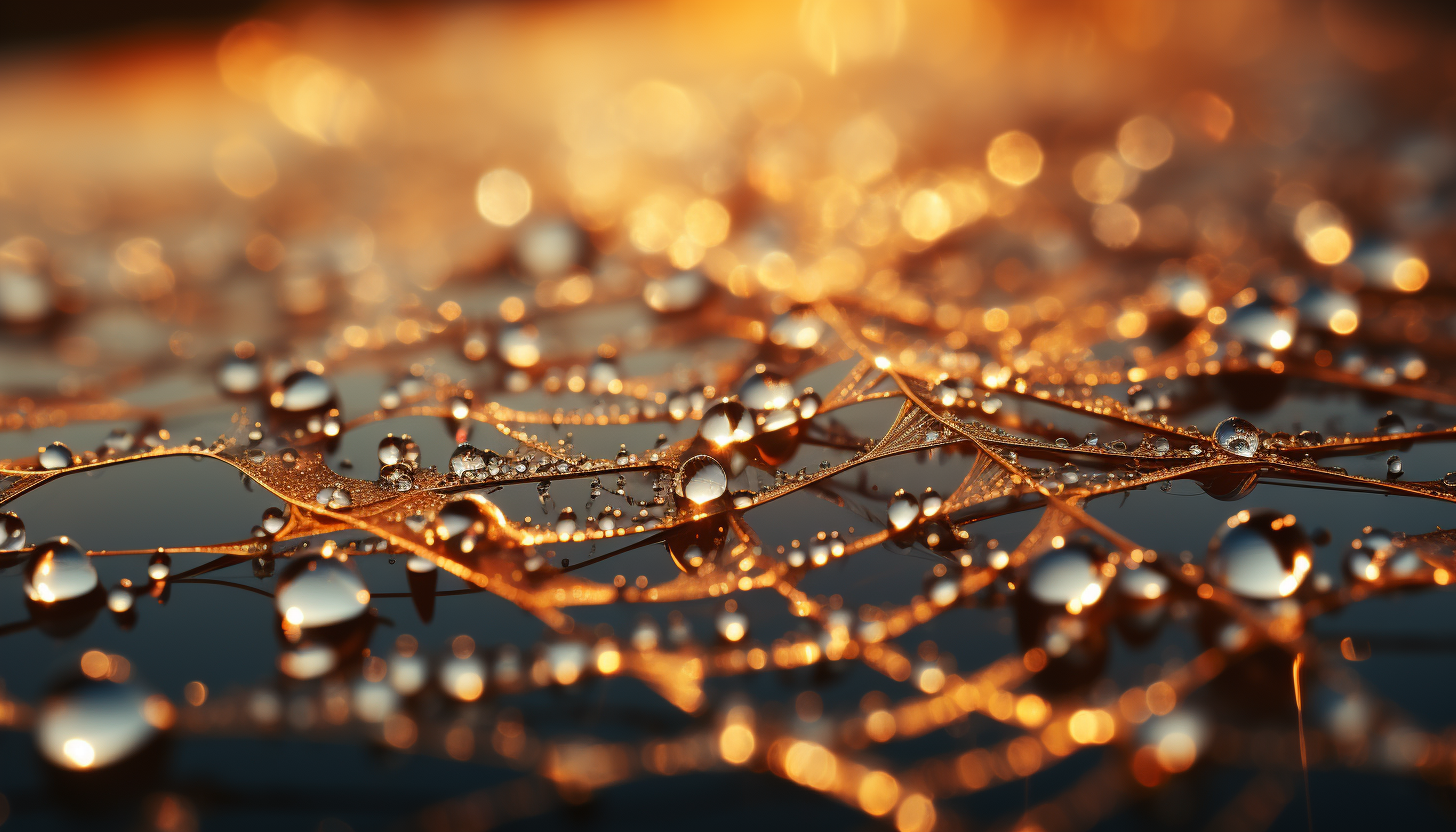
(826, 415)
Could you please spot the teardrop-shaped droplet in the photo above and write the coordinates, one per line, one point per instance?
(930, 502)
(1262, 555)
(1066, 577)
(302, 391)
(58, 570)
(317, 592)
(903, 510)
(726, 423)
(566, 523)
(239, 376)
(701, 479)
(766, 390)
(1237, 436)
(55, 456)
(93, 724)
(12, 532)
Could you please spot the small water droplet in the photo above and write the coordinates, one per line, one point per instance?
(120, 600)
(566, 523)
(726, 423)
(930, 502)
(471, 462)
(58, 570)
(274, 519)
(159, 567)
(12, 532)
(701, 479)
(93, 724)
(1394, 467)
(302, 391)
(1066, 576)
(1390, 423)
(809, 404)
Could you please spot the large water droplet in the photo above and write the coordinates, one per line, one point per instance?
(726, 423)
(471, 462)
(809, 404)
(240, 375)
(1066, 577)
(93, 724)
(903, 510)
(12, 532)
(400, 477)
(1263, 555)
(520, 345)
(274, 519)
(1262, 324)
(159, 567)
(317, 592)
(120, 599)
(701, 479)
(1390, 423)
(55, 456)
(455, 517)
(58, 570)
(302, 391)
(1237, 436)
(766, 390)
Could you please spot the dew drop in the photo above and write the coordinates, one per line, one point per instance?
(398, 476)
(1389, 424)
(55, 456)
(240, 376)
(58, 570)
(93, 724)
(1237, 436)
(1264, 555)
(302, 391)
(119, 600)
(317, 592)
(459, 407)
(159, 567)
(902, 510)
(1066, 576)
(1393, 466)
(930, 502)
(809, 404)
(566, 523)
(274, 519)
(701, 479)
(726, 423)
(469, 461)
(12, 532)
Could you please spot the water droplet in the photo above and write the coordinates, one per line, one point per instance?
(302, 391)
(1142, 584)
(455, 517)
(742, 499)
(1449, 479)
(1237, 436)
(58, 570)
(1090, 440)
(809, 404)
(679, 406)
(566, 523)
(334, 497)
(1158, 445)
(1309, 438)
(159, 567)
(1262, 324)
(797, 328)
(93, 724)
(726, 423)
(317, 592)
(1065, 577)
(274, 519)
(419, 565)
(120, 440)
(903, 510)
(470, 462)
(1389, 423)
(930, 502)
(459, 407)
(399, 476)
(119, 600)
(607, 520)
(12, 532)
(701, 479)
(520, 345)
(1393, 466)
(776, 420)
(1264, 555)
(55, 456)
(240, 376)
(398, 449)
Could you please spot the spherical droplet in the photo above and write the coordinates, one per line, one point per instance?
(903, 510)
(1237, 436)
(726, 423)
(766, 390)
(930, 502)
(566, 523)
(701, 479)
(12, 532)
(94, 724)
(317, 592)
(274, 519)
(55, 456)
(240, 376)
(1262, 555)
(1066, 577)
(159, 567)
(1389, 423)
(119, 599)
(469, 461)
(809, 404)
(1394, 467)
(302, 391)
(58, 570)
